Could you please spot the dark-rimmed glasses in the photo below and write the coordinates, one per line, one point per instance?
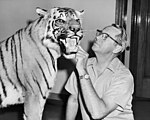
(105, 36)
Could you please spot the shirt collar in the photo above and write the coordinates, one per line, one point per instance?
(112, 66)
(115, 63)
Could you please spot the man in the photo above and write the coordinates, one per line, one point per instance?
(101, 86)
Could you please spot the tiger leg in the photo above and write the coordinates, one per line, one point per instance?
(33, 107)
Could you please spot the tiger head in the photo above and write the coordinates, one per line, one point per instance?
(63, 28)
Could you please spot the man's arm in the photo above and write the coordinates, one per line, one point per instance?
(97, 107)
(72, 107)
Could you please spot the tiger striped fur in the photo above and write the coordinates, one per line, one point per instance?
(28, 59)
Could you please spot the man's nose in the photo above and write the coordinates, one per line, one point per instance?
(98, 38)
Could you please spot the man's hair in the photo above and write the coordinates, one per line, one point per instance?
(122, 37)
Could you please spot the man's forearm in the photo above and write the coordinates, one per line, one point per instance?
(72, 108)
(94, 104)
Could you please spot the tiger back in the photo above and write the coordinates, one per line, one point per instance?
(28, 59)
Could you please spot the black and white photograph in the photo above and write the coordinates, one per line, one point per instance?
(74, 60)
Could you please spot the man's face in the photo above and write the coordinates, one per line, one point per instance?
(105, 40)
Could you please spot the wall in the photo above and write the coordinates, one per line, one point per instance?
(98, 13)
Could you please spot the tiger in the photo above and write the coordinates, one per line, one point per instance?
(28, 58)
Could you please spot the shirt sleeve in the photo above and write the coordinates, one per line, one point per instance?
(71, 85)
(120, 90)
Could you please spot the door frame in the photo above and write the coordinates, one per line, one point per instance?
(137, 56)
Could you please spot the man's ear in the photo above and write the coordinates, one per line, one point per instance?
(118, 49)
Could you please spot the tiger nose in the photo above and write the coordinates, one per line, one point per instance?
(74, 28)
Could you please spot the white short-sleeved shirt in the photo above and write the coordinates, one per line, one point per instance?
(116, 83)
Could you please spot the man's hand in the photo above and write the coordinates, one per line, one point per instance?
(81, 58)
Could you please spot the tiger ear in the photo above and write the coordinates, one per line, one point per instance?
(80, 13)
(41, 12)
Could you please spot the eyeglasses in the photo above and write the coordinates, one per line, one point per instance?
(105, 36)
